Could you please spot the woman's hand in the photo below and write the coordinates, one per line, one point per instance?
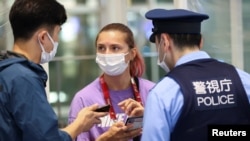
(131, 107)
(119, 132)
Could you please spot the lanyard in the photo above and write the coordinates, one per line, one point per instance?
(107, 96)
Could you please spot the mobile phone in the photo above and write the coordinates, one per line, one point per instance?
(136, 121)
(103, 109)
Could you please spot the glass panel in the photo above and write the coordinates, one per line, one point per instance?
(246, 33)
(66, 78)
(74, 65)
(215, 30)
(137, 24)
(81, 1)
(170, 1)
(6, 37)
(138, 1)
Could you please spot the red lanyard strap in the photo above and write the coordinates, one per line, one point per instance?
(136, 91)
(107, 96)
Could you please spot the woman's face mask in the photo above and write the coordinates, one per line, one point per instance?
(112, 64)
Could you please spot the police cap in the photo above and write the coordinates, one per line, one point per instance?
(175, 21)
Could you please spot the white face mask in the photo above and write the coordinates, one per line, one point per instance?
(45, 56)
(112, 64)
(162, 64)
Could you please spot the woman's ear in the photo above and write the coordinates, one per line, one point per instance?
(133, 53)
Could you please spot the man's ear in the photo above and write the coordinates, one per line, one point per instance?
(42, 35)
(201, 43)
(165, 40)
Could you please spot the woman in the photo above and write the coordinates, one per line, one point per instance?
(120, 85)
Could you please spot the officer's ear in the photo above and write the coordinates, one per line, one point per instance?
(201, 43)
(165, 40)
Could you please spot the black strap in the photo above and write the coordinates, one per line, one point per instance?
(138, 138)
(137, 83)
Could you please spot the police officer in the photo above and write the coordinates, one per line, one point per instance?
(197, 90)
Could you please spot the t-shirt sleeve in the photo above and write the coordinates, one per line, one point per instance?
(76, 105)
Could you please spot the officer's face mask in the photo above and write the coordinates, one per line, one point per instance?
(112, 64)
(45, 56)
(162, 63)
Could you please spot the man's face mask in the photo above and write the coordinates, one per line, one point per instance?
(45, 56)
(162, 63)
(112, 64)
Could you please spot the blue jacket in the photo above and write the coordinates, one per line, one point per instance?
(25, 114)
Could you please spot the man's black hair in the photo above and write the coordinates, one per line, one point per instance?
(26, 16)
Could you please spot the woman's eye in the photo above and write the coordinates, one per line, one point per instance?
(115, 48)
(100, 48)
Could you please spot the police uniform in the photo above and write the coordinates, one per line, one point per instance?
(198, 92)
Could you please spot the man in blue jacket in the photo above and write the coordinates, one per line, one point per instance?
(198, 92)
(25, 114)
